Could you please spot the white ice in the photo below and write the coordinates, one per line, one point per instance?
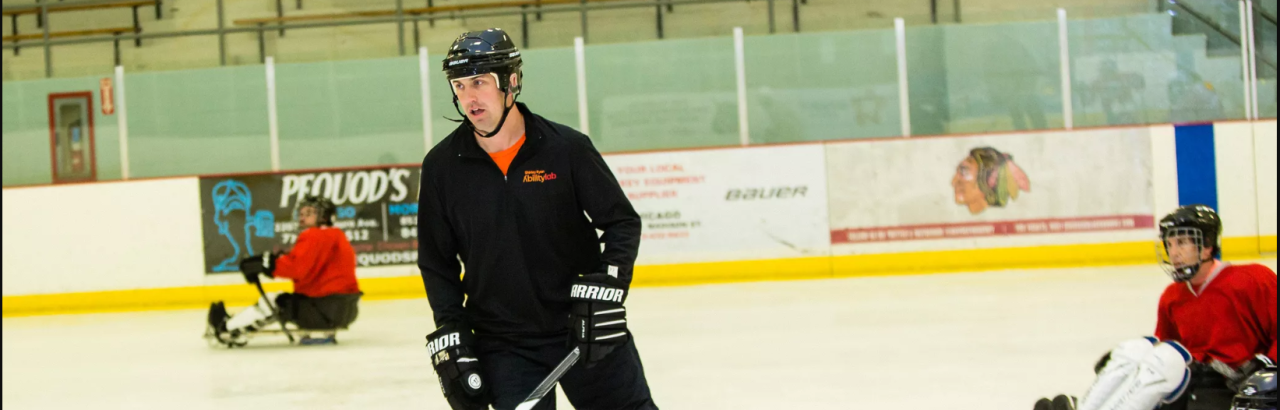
(977, 341)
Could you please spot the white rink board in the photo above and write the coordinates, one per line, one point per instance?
(1234, 159)
(102, 236)
(146, 234)
(1072, 187)
(727, 204)
(1264, 135)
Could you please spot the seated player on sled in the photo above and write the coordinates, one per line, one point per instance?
(1215, 343)
(322, 266)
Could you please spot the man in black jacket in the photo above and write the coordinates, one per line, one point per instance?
(517, 199)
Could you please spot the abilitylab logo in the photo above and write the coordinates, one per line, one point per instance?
(539, 176)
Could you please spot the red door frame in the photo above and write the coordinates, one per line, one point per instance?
(53, 135)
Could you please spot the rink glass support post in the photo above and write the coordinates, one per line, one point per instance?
(904, 103)
(1250, 50)
(273, 122)
(1064, 55)
(739, 59)
(424, 68)
(580, 63)
(122, 122)
(1244, 61)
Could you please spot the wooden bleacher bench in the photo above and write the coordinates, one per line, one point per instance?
(280, 20)
(78, 7)
(411, 11)
(73, 33)
(498, 5)
(315, 17)
(58, 8)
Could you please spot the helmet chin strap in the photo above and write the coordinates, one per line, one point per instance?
(505, 111)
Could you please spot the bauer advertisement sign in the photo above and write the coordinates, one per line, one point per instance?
(728, 204)
(940, 193)
(251, 214)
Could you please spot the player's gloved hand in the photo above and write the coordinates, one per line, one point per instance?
(263, 264)
(457, 367)
(597, 320)
(1236, 375)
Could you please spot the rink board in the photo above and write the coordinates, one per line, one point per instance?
(783, 212)
(1014, 190)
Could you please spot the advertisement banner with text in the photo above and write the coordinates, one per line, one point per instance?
(250, 214)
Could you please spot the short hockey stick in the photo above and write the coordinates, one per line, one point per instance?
(274, 310)
(551, 380)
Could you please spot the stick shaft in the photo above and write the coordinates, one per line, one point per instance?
(551, 380)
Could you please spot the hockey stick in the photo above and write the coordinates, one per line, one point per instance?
(274, 310)
(551, 380)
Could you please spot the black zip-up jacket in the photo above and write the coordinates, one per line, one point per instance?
(523, 237)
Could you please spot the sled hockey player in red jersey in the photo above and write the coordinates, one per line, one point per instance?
(322, 266)
(1215, 342)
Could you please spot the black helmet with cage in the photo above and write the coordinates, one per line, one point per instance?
(1198, 224)
(485, 52)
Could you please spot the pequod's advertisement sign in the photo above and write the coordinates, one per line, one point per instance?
(250, 214)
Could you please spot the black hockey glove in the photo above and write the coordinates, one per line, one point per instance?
(457, 368)
(597, 320)
(263, 264)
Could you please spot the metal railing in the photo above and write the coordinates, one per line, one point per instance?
(1217, 27)
(399, 19)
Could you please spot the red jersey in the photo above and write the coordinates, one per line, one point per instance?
(322, 263)
(1232, 319)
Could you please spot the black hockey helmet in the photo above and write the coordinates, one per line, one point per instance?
(1201, 224)
(323, 206)
(1258, 392)
(485, 52)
